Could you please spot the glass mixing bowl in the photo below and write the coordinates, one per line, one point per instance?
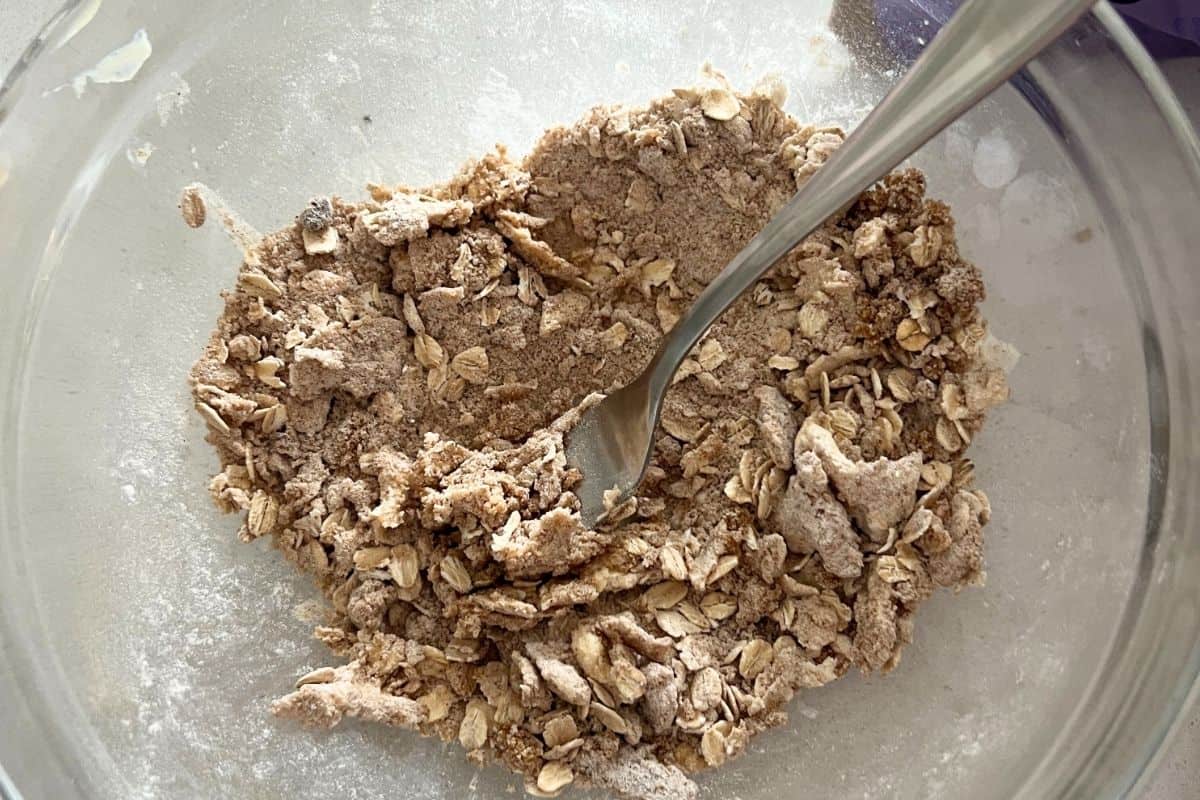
(142, 643)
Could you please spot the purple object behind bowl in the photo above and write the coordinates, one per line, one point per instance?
(1167, 28)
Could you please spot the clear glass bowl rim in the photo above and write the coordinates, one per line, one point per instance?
(1141, 754)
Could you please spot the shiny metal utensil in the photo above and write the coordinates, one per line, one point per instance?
(982, 45)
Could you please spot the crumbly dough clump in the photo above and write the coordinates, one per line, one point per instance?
(390, 384)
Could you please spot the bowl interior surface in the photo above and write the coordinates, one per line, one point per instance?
(164, 639)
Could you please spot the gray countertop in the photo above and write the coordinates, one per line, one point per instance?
(1177, 775)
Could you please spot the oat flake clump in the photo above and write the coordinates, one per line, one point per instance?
(390, 384)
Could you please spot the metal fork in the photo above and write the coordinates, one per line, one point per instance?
(982, 45)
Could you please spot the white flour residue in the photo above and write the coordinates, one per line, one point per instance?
(822, 78)
(996, 162)
(959, 147)
(342, 70)
(119, 66)
(500, 106)
(979, 733)
(177, 95)
(825, 60)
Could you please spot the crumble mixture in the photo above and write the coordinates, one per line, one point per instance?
(390, 384)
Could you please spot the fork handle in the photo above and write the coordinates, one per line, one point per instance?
(982, 45)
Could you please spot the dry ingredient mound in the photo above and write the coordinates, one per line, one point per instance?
(391, 380)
